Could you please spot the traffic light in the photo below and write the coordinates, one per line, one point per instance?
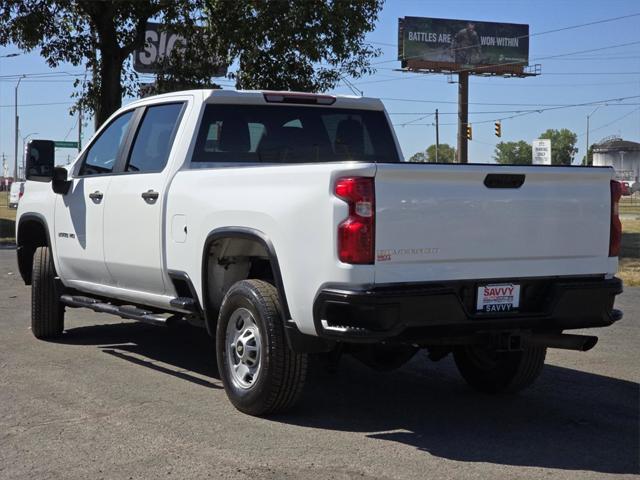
(498, 129)
(469, 132)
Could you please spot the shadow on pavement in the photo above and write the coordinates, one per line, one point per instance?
(569, 419)
(189, 349)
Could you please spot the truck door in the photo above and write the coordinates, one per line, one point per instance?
(133, 221)
(79, 214)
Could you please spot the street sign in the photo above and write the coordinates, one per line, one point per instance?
(159, 44)
(65, 144)
(541, 150)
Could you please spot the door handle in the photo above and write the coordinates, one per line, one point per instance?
(96, 195)
(150, 195)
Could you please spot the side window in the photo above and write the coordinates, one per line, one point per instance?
(153, 141)
(101, 156)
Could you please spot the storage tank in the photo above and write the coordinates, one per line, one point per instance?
(622, 155)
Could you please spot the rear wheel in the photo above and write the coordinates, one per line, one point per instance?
(490, 371)
(47, 312)
(261, 375)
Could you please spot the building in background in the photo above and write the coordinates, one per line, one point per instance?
(622, 155)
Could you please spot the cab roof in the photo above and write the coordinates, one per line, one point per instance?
(268, 97)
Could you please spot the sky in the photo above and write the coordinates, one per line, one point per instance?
(411, 99)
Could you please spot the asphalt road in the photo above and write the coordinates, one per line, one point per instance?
(115, 399)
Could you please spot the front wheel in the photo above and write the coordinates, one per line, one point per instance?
(261, 375)
(47, 312)
(491, 371)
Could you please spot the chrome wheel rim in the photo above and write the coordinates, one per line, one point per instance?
(244, 348)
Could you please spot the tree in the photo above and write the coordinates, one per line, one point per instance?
(517, 153)
(101, 35)
(297, 44)
(446, 154)
(418, 157)
(563, 145)
(587, 160)
(306, 45)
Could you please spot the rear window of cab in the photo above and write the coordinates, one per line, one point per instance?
(292, 134)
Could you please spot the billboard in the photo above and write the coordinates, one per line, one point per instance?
(541, 152)
(159, 44)
(453, 44)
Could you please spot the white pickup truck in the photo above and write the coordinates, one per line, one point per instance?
(287, 224)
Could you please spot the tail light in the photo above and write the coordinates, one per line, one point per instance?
(615, 235)
(356, 234)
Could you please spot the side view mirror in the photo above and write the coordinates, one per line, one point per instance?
(39, 160)
(59, 183)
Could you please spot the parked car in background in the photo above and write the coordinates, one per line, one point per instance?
(626, 188)
(15, 194)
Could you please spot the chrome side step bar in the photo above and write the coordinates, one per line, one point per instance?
(129, 312)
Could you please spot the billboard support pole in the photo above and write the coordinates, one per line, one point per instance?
(463, 115)
(437, 136)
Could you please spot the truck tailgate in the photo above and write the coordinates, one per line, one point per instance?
(441, 222)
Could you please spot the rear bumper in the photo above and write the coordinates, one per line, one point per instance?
(418, 312)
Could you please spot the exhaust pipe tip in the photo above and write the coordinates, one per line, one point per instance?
(581, 343)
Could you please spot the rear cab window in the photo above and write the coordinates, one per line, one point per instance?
(276, 134)
(154, 138)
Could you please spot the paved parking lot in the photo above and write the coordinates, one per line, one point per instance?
(115, 399)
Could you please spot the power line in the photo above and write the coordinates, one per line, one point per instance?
(595, 102)
(539, 110)
(611, 122)
(43, 74)
(504, 111)
(498, 82)
(487, 67)
(592, 73)
(37, 104)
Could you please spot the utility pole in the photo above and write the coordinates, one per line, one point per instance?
(586, 155)
(15, 160)
(4, 172)
(463, 115)
(5, 180)
(79, 128)
(437, 136)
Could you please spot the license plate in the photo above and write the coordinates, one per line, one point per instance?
(496, 298)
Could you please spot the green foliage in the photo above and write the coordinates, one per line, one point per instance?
(517, 153)
(297, 44)
(418, 157)
(587, 160)
(305, 45)
(446, 154)
(563, 145)
(98, 35)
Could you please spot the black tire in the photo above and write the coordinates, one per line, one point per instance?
(489, 371)
(47, 312)
(281, 372)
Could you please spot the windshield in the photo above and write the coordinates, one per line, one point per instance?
(292, 134)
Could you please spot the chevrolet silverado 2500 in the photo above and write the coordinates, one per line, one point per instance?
(287, 224)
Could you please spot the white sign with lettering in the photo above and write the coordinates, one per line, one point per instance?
(541, 151)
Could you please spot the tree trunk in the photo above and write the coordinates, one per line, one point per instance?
(103, 18)
(111, 89)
